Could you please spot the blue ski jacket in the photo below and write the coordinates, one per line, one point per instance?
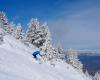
(36, 53)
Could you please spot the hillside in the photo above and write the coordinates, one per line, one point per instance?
(17, 63)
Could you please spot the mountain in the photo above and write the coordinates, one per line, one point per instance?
(17, 63)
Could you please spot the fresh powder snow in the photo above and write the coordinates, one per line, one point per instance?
(17, 63)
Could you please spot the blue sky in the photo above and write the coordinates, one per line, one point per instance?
(73, 23)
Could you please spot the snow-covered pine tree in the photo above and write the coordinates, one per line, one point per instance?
(3, 19)
(11, 28)
(72, 58)
(31, 31)
(4, 22)
(47, 45)
(18, 32)
(35, 33)
(50, 53)
(97, 76)
(3, 25)
(60, 54)
(40, 36)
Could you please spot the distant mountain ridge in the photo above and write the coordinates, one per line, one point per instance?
(89, 52)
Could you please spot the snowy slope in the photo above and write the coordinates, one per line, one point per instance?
(17, 63)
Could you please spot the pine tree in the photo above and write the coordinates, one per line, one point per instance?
(3, 25)
(18, 32)
(35, 33)
(4, 21)
(11, 28)
(60, 53)
(31, 32)
(72, 58)
(47, 46)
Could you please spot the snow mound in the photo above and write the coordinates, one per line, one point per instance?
(17, 63)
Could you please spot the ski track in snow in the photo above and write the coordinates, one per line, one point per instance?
(17, 63)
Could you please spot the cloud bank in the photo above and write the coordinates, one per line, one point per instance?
(80, 29)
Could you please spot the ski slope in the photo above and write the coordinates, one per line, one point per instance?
(17, 63)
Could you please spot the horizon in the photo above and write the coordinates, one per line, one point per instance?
(73, 23)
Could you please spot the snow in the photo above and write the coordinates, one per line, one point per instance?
(17, 63)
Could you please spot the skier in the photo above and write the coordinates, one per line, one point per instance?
(36, 53)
